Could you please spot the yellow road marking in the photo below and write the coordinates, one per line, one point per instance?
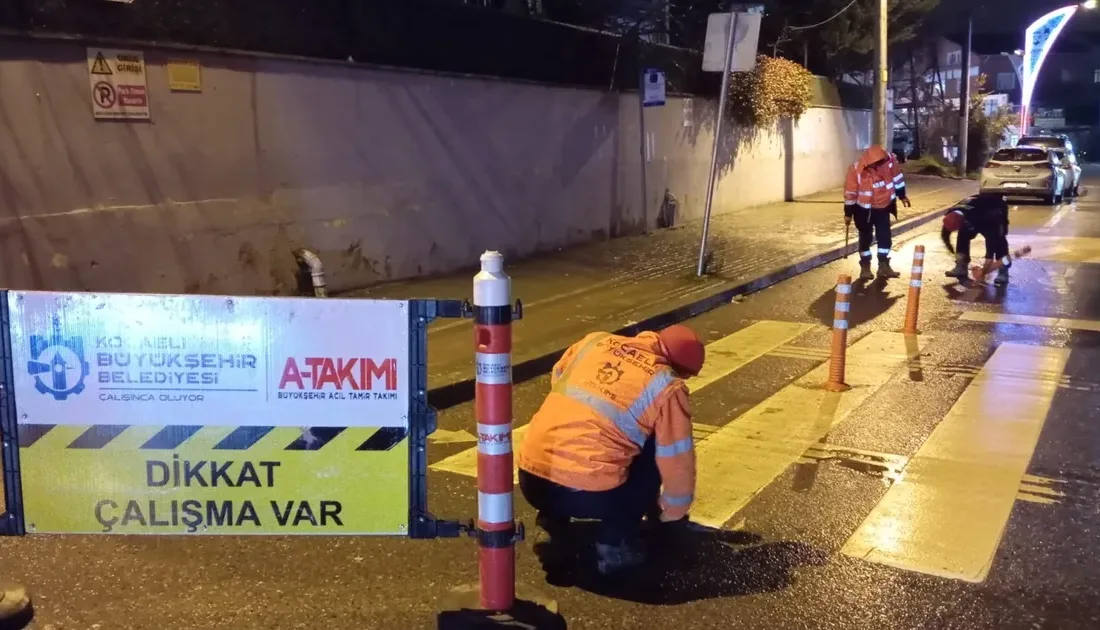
(747, 454)
(1057, 218)
(946, 514)
(1060, 281)
(799, 352)
(735, 351)
(1033, 489)
(1030, 320)
(724, 357)
(1069, 249)
(701, 431)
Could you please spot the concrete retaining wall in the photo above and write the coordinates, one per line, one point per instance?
(386, 174)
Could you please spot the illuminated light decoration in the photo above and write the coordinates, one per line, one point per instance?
(1038, 40)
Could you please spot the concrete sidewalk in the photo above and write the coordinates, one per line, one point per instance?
(649, 281)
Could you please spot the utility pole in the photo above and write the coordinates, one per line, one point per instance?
(719, 116)
(964, 98)
(879, 128)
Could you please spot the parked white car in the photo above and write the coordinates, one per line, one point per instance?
(1059, 142)
(1025, 172)
(1068, 162)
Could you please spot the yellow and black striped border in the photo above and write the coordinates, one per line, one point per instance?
(172, 437)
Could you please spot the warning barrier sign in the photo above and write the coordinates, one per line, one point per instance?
(143, 414)
(119, 86)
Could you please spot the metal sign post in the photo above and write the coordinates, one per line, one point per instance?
(717, 140)
(651, 93)
(11, 510)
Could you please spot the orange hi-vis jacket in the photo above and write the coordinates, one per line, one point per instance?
(869, 187)
(608, 396)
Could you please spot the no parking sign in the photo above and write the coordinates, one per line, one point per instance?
(118, 84)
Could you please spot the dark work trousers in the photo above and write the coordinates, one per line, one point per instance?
(994, 231)
(619, 510)
(873, 225)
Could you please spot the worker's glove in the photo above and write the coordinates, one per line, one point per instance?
(847, 220)
(905, 201)
(945, 234)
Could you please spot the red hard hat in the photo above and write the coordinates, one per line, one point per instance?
(683, 349)
(952, 221)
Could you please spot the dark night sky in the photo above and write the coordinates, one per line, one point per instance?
(999, 24)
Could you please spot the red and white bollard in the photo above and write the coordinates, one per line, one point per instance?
(838, 352)
(493, 410)
(912, 307)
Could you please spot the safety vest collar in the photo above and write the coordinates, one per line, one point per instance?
(626, 420)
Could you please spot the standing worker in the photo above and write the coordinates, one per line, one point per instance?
(870, 197)
(986, 215)
(615, 428)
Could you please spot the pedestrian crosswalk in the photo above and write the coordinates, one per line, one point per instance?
(748, 453)
(725, 356)
(948, 503)
(946, 514)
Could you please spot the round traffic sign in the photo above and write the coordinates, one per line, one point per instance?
(104, 94)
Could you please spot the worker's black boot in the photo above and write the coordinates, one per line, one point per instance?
(554, 548)
(1002, 277)
(611, 559)
(961, 268)
(885, 270)
(865, 272)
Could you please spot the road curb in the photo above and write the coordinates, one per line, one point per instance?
(15, 606)
(463, 391)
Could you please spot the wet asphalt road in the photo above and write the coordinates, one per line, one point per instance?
(779, 564)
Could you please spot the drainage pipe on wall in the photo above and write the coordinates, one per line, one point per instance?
(311, 262)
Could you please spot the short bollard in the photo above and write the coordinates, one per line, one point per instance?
(493, 601)
(493, 409)
(912, 309)
(840, 335)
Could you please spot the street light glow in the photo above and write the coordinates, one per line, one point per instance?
(1038, 39)
(1089, 4)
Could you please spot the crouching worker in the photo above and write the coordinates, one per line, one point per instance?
(985, 215)
(612, 441)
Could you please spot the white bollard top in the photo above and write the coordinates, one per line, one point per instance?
(492, 262)
(492, 287)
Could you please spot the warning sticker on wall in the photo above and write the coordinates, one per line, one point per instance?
(119, 87)
(184, 75)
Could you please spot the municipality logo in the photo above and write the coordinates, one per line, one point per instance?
(57, 364)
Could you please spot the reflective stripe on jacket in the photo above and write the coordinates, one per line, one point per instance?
(609, 395)
(897, 176)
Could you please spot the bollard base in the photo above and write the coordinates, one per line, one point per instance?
(15, 606)
(532, 611)
(910, 331)
(837, 387)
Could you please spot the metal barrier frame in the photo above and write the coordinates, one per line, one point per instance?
(11, 519)
(422, 423)
(422, 418)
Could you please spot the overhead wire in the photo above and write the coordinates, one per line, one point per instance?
(823, 22)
